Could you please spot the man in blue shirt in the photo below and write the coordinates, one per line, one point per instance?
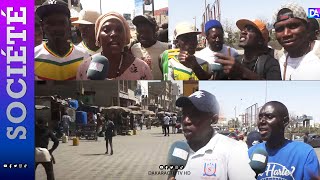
(287, 159)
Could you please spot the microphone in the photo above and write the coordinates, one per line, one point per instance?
(98, 68)
(259, 161)
(177, 157)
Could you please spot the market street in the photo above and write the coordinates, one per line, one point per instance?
(133, 158)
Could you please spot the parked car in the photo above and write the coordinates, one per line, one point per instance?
(314, 140)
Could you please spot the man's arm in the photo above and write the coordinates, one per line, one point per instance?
(273, 69)
(190, 61)
(234, 69)
(238, 164)
(55, 142)
(311, 166)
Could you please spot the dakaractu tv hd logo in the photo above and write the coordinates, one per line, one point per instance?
(313, 12)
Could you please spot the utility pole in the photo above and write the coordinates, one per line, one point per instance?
(235, 117)
(205, 10)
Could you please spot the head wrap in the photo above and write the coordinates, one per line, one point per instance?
(112, 15)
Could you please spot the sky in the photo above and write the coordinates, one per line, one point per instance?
(120, 6)
(300, 97)
(232, 10)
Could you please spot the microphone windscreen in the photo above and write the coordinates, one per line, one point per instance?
(259, 160)
(98, 68)
(178, 153)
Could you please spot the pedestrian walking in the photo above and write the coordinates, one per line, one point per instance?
(109, 128)
(166, 124)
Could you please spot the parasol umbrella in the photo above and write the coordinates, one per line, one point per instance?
(41, 107)
(134, 107)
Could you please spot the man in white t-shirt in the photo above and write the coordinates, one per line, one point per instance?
(215, 37)
(166, 123)
(212, 155)
(148, 48)
(174, 122)
(302, 60)
(66, 120)
(86, 23)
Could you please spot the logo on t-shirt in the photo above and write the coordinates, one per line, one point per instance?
(210, 169)
(278, 171)
(197, 94)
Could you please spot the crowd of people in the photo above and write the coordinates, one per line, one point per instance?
(149, 56)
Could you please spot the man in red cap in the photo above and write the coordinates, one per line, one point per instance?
(256, 63)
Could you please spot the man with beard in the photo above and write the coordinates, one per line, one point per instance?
(182, 64)
(148, 48)
(57, 59)
(85, 23)
(257, 62)
(286, 159)
(212, 155)
(302, 58)
(215, 37)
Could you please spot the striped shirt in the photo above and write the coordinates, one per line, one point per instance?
(50, 66)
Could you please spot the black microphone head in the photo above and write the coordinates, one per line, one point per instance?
(98, 68)
(178, 154)
(259, 160)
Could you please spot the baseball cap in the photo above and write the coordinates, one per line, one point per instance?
(296, 11)
(87, 17)
(212, 24)
(53, 6)
(144, 19)
(184, 28)
(202, 100)
(253, 138)
(261, 26)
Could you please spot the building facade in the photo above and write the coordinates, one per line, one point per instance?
(190, 87)
(95, 93)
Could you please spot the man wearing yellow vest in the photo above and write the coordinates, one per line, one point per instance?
(181, 64)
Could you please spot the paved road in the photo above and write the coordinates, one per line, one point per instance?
(134, 156)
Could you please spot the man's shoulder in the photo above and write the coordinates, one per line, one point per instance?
(80, 51)
(136, 46)
(226, 141)
(299, 146)
(257, 146)
(161, 45)
(40, 50)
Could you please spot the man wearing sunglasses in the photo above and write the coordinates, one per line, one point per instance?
(287, 159)
(302, 60)
(212, 155)
(258, 61)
